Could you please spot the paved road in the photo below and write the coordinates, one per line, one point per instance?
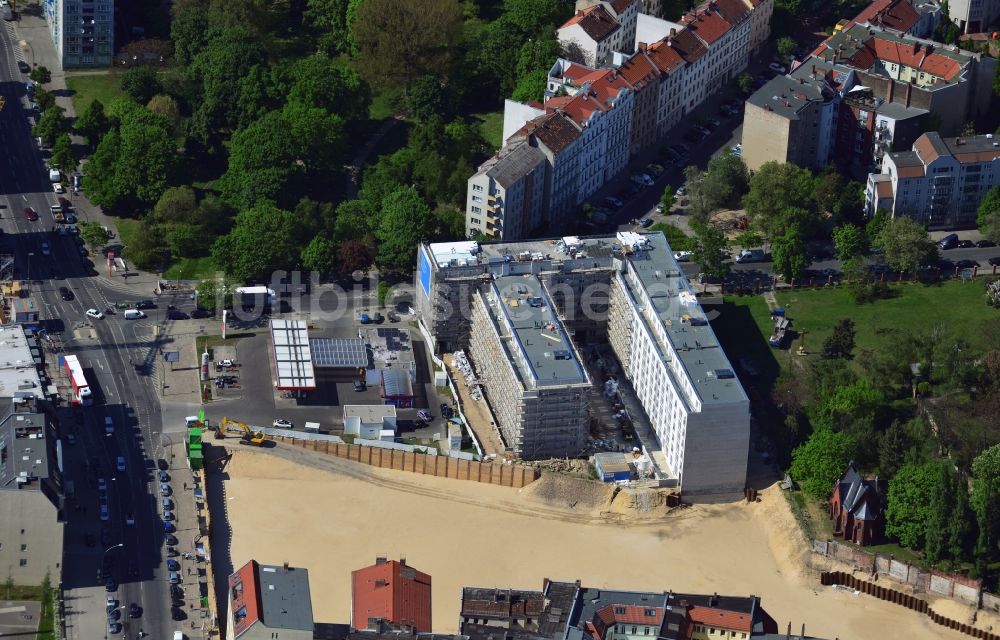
(46, 261)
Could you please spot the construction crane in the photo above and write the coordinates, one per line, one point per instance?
(247, 434)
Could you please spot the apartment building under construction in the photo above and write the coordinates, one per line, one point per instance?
(515, 305)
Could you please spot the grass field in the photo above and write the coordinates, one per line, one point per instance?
(86, 89)
(191, 269)
(128, 229)
(959, 306)
(742, 324)
(491, 125)
(677, 239)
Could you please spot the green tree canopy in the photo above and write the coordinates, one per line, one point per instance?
(176, 205)
(711, 251)
(140, 83)
(41, 75)
(988, 214)
(909, 512)
(327, 19)
(263, 239)
(63, 157)
(167, 107)
(781, 197)
(262, 164)
(405, 220)
(320, 255)
(726, 180)
(840, 343)
(425, 98)
(51, 125)
(818, 463)
(789, 254)
(850, 242)
(320, 81)
(905, 245)
(93, 123)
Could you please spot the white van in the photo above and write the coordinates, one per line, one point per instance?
(54, 175)
(134, 314)
(109, 425)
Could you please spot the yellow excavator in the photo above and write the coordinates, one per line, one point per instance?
(247, 434)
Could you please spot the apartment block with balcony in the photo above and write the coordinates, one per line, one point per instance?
(529, 369)
(83, 31)
(939, 182)
(974, 16)
(505, 198)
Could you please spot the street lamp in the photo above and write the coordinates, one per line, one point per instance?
(117, 546)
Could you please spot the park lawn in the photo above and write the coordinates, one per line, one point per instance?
(191, 269)
(742, 325)
(491, 126)
(86, 89)
(675, 236)
(383, 103)
(128, 230)
(959, 306)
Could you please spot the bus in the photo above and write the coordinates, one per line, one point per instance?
(81, 390)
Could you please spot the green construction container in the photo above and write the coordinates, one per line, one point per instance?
(194, 435)
(196, 460)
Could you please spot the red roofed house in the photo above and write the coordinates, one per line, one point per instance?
(267, 602)
(591, 35)
(626, 13)
(391, 592)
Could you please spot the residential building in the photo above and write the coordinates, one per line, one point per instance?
(856, 508)
(625, 291)
(868, 126)
(955, 85)
(393, 593)
(916, 19)
(723, 26)
(569, 611)
(973, 16)
(625, 13)
(760, 24)
(669, 100)
(644, 77)
(590, 36)
(32, 487)
(83, 31)
(793, 119)
(267, 602)
(557, 137)
(371, 421)
(506, 195)
(532, 375)
(939, 182)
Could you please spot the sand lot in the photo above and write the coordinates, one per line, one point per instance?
(464, 533)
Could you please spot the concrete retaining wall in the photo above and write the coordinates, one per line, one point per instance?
(504, 475)
(904, 600)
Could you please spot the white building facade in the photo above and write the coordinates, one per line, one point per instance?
(83, 31)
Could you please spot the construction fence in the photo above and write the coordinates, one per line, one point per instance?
(947, 585)
(840, 578)
(505, 475)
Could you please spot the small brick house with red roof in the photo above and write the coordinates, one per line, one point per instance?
(856, 508)
(391, 592)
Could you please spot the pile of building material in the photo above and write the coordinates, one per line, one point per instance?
(461, 362)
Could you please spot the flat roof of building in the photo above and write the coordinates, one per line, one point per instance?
(284, 597)
(787, 96)
(369, 413)
(19, 360)
(390, 347)
(541, 350)
(685, 323)
(292, 356)
(22, 437)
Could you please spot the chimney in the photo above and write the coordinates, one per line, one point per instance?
(642, 46)
(673, 32)
(380, 560)
(788, 633)
(803, 630)
(402, 560)
(285, 565)
(892, 90)
(909, 89)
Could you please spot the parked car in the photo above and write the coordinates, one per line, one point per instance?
(777, 68)
(613, 202)
(134, 610)
(145, 304)
(94, 313)
(65, 294)
(200, 313)
(171, 540)
(642, 179)
(30, 214)
(424, 415)
(173, 565)
(984, 244)
(680, 191)
(965, 244)
(682, 256)
(966, 264)
(120, 463)
(950, 241)
(359, 385)
(994, 261)
(646, 223)
(23, 67)
(164, 476)
(282, 424)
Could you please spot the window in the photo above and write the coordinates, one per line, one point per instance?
(477, 187)
(24, 562)
(620, 611)
(475, 221)
(633, 630)
(476, 210)
(477, 198)
(24, 547)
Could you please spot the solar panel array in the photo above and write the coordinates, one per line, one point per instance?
(395, 340)
(338, 352)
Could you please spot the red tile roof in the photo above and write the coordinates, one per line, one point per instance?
(638, 71)
(595, 21)
(708, 25)
(914, 55)
(629, 614)
(608, 88)
(688, 45)
(733, 11)
(555, 130)
(891, 14)
(884, 189)
(665, 58)
(391, 591)
(620, 6)
(243, 591)
(579, 107)
(721, 619)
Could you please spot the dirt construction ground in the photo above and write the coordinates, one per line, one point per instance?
(332, 516)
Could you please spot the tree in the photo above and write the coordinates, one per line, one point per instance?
(187, 240)
(93, 234)
(63, 157)
(405, 220)
(850, 242)
(189, 32)
(726, 180)
(985, 499)
(786, 48)
(328, 21)
(140, 83)
(401, 41)
(176, 205)
(320, 255)
(905, 245)
(216, 293)
(531, 87)
(51, 125)
(92, 123)
(988, 214)
(789, 254)
(700, 205)
(41, 75)
(667, 199)
(320, 81)
(264, 239)
(167, 107)
(262, 164)
(818, 463)
(353, 255)
(875, 225)
(711, 251)
(745, 82)
(909, 512)
(425, 98)
(149, 249)
(45, 99)
(749, 239)
(781, 197)
(840, 343)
